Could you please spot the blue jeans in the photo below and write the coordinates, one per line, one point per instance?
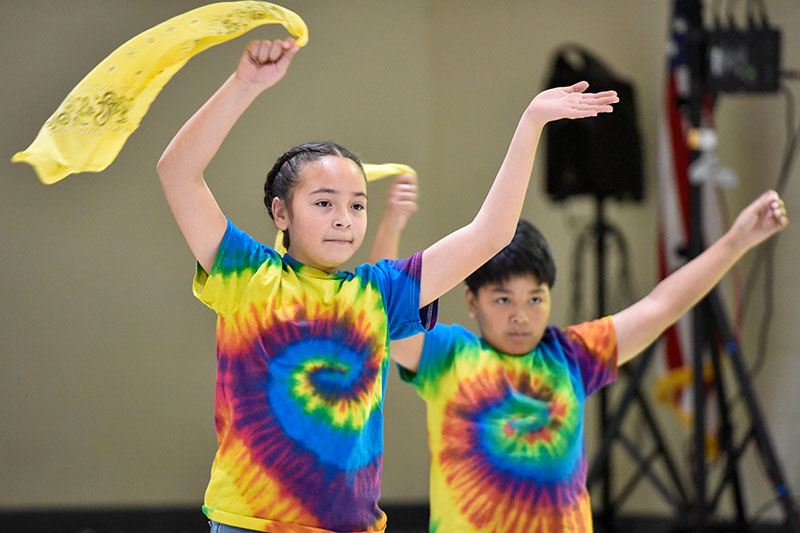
(216, 527)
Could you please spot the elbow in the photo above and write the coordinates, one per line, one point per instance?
(491, 243)
(506, 238)
(163, 166)
(168, 169)
(500, 240)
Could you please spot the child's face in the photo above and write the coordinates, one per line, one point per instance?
(511, 315)
(328, 215)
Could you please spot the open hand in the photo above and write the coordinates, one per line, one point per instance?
(570, 102)
(401, 200)
(264, 63)
(761, 219)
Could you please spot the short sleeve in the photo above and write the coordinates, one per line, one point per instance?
(594, 346)
(238, 258)
(400, 280)
(437, 358)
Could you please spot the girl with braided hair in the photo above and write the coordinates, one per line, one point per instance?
(302, 346)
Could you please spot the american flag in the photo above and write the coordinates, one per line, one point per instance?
(674, 215)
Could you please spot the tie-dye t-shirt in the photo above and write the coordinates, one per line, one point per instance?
(301, 374)
(506, 432)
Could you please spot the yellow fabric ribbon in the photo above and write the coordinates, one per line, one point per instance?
(373, 172)
(91, 125)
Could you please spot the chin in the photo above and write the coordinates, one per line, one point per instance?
(511, 349)
(519, 348)
(337, 262)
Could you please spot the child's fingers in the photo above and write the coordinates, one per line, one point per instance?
(603, 108)
(406, 179)
(774, 207)
(605, 97)
(577, 87)
(263, 52)
(252, 50)
(408, 206)
(779, 211)
(404, 195)
(275, 51)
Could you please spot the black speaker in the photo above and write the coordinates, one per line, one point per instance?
(599, 156)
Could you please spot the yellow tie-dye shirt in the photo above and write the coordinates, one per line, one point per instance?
(302, 356)
(506, 432)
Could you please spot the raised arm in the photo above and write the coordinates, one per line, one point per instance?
(181, 166)
(401, 203)
(640, 324)
(453, 258)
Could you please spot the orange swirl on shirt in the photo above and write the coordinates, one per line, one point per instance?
(502, 432)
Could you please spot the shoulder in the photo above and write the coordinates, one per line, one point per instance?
(595, 332)
(238, 250)
(393, 269)
(454, 332)
(450, 342)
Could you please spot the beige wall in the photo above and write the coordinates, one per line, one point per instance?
(108, 361)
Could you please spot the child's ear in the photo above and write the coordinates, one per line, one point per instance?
(471, 301)
(280, 214)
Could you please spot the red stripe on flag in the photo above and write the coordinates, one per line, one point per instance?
(680, 152)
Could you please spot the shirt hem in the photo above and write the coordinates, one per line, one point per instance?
(272, 526)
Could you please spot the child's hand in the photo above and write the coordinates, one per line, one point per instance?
(401, 201)
(761, 219)
(264, 63)
(570, 102)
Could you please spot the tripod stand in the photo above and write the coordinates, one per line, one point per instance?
(710, 325)
(610, 426)
(710, 328)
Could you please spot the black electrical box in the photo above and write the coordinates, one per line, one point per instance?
(744, 61)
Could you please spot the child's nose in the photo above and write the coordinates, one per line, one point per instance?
(342, 219)
(518, 316)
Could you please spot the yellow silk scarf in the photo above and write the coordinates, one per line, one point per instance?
(373, 172)
(91, 125)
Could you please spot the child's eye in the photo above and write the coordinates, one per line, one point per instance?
(323, 203)
(359, 207)
(502, 300)
(536, 300)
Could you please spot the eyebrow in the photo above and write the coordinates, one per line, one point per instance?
(325, 190)
(503, 290)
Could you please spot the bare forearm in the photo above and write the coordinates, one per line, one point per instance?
(193, 147)
(639, 325)
(498, 216)
(457, 255)
(689, 284)
(387, 242)
(180, 169)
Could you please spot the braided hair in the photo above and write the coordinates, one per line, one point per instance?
(284, 175)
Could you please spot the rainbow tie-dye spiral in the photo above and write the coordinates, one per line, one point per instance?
(302, 361)
(506, 432)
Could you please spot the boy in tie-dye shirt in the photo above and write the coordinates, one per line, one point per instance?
(505, 410)
(302, 345)
(302, 360)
